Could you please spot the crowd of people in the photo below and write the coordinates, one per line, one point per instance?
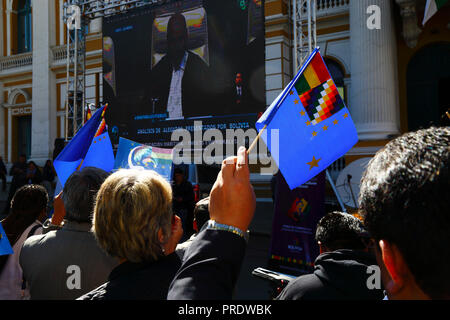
(121, 237)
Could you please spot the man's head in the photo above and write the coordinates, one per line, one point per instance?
(404, 202)
(177, 38)
(22, 158)
(80, 191)
(32, 165)
(178, 175)
(338, 230)
(201, 213)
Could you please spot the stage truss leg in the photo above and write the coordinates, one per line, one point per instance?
(305, 41)
(75, 78)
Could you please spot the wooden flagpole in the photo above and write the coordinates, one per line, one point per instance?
(256, 140)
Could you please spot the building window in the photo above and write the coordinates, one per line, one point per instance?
(338, 74)
(24, 27)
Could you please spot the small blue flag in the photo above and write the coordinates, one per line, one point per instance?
(74, 153)
(310, 122)
(132, 154)
(5, 246)
(100, 154)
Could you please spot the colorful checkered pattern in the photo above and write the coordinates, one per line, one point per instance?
(322, 102)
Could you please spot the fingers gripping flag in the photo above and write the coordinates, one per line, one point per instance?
(312, 123)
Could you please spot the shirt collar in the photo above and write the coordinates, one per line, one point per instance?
(183, 62)
(77, 226)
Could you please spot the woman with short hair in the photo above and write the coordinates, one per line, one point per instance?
(133, 221)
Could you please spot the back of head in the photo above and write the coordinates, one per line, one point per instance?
(201, 212)
(404, 200)
(80, 191)
(338, 230)
(28, 203)
(131, 207)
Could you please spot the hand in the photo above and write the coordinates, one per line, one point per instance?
(232, 199)
(175, 236)
(58, 210)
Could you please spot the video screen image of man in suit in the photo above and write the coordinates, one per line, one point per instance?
(179, 78)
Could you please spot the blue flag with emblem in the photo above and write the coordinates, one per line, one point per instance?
(131, 154)
(5, 246)
(308, 126)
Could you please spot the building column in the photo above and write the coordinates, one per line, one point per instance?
(43, 123)
(9, 135)
(373, 97)
(2, 123)
(9, 10)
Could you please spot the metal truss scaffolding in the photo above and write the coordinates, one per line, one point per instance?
(77, 15)
(305, 31)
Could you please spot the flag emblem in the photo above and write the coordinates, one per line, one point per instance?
(322, 102)
(131, 154)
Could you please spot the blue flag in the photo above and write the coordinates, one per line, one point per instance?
(310, 124)
(132, 154)
(5, 246)
(100, 154)
(73, 155)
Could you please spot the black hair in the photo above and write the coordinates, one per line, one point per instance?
(29, 200)
(201, 212)
(404, 200)
(338, 230)
(79, 193)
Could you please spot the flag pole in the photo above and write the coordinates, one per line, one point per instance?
(256, 140)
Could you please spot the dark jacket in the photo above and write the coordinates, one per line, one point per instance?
(185, 191)
(138, 281)
(338, 275)
(193, 95)
(49, 174)
(210, 267)
(35, 177)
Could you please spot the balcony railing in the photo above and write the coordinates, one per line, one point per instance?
(59, 53)
(16, 61)
(330, 7)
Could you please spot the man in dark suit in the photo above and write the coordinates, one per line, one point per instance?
(178, 80)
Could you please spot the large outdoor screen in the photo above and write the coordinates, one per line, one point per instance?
(166, 66)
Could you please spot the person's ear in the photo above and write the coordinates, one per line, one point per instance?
(160, 236)
(395, 267)
(322, 248)
(43, 215)
(195, 226)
